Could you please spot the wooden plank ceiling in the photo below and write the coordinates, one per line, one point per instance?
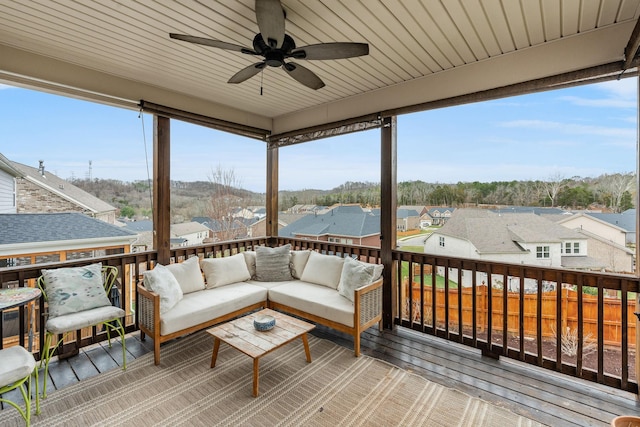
(420, 51)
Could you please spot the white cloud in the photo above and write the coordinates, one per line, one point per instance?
(616, 94)
(601, 102)
(571, 128)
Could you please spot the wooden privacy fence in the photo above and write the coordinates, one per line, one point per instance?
(612, 312)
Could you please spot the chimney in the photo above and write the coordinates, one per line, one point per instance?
(41, 167)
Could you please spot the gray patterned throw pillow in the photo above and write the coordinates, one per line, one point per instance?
(272, 264)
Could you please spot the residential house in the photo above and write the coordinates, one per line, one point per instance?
(523, 238)
(614, 257)
(8, 176)
(258, 211)
(144, 231)
(40, 191)
(516, 238)
(303, 209)
(620, 228)
(183, 234)
(225, 230)
(438, 216)
(243, 213)
(189, 233)
(50, 237)
(407, 219)
(420, 208)
(347, 224)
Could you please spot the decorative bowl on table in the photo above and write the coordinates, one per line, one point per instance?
(264, 322)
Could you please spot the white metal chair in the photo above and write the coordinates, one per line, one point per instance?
(17, 366)
(108, 316)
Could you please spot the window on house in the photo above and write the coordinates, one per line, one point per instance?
(567, 248)
(441, 241)
(542, 251)
(576, 247)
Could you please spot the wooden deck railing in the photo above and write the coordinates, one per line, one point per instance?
(593, 312)
(578, 323)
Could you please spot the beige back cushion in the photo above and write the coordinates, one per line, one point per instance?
(323, 270)
(188, 275)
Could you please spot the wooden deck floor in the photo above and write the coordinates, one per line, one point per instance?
(545, 396)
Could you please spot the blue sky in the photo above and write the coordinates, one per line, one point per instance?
(585, 131)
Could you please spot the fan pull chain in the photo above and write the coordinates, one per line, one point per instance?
(261, 79)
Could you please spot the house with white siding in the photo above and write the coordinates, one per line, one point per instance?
(619, 228)
(518, 238)
(8, 175)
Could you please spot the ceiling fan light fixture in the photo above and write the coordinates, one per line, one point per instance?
(275, 46)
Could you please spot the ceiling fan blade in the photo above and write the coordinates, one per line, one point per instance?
(211, 42)
(303, 75)
(270, 17)
(338, 50)
(247, 73)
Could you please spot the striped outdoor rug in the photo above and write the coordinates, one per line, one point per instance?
(336, 389)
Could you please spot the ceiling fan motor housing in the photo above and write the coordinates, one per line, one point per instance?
(274, 57)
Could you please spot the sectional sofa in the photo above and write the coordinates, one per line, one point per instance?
(339, 292)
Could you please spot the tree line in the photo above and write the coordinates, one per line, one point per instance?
(613, 191)
(206, 198)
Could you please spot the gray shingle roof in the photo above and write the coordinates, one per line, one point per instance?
(339, 221)
(530, 209)
(490, 232)
(139, 226)
(49, 227)
(625, 220)
(406, 213)
(64, 189)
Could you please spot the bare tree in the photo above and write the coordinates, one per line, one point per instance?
(552, 187)
(613, 187)
(226, 199)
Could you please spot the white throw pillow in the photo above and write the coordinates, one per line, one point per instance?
(250, 259)
(188, 275)
(70, 290)
(355, 274)
(225, 270)
(273, 264)
(298, 261)
(377, 270)
(323, 270)
(161, 281)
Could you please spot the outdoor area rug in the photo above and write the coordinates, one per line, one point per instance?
(335, 389)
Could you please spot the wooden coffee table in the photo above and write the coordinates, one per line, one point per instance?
(241, 335)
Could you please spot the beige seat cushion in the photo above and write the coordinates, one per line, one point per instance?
(199, 307)
(16, 363)
(315, 299)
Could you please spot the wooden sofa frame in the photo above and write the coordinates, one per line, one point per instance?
(149, 319)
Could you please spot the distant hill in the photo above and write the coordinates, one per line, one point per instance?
(609, 192)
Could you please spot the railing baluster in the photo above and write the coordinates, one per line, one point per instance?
(624, 315)
(505, 313)
(539, 319)
(521, 306)
(600, 331)
(559, 327)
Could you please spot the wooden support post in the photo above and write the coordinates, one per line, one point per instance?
(637, 230)
(272, 191)
(161, 188)
(388, 203)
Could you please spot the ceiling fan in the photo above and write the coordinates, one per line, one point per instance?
(275, 46)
